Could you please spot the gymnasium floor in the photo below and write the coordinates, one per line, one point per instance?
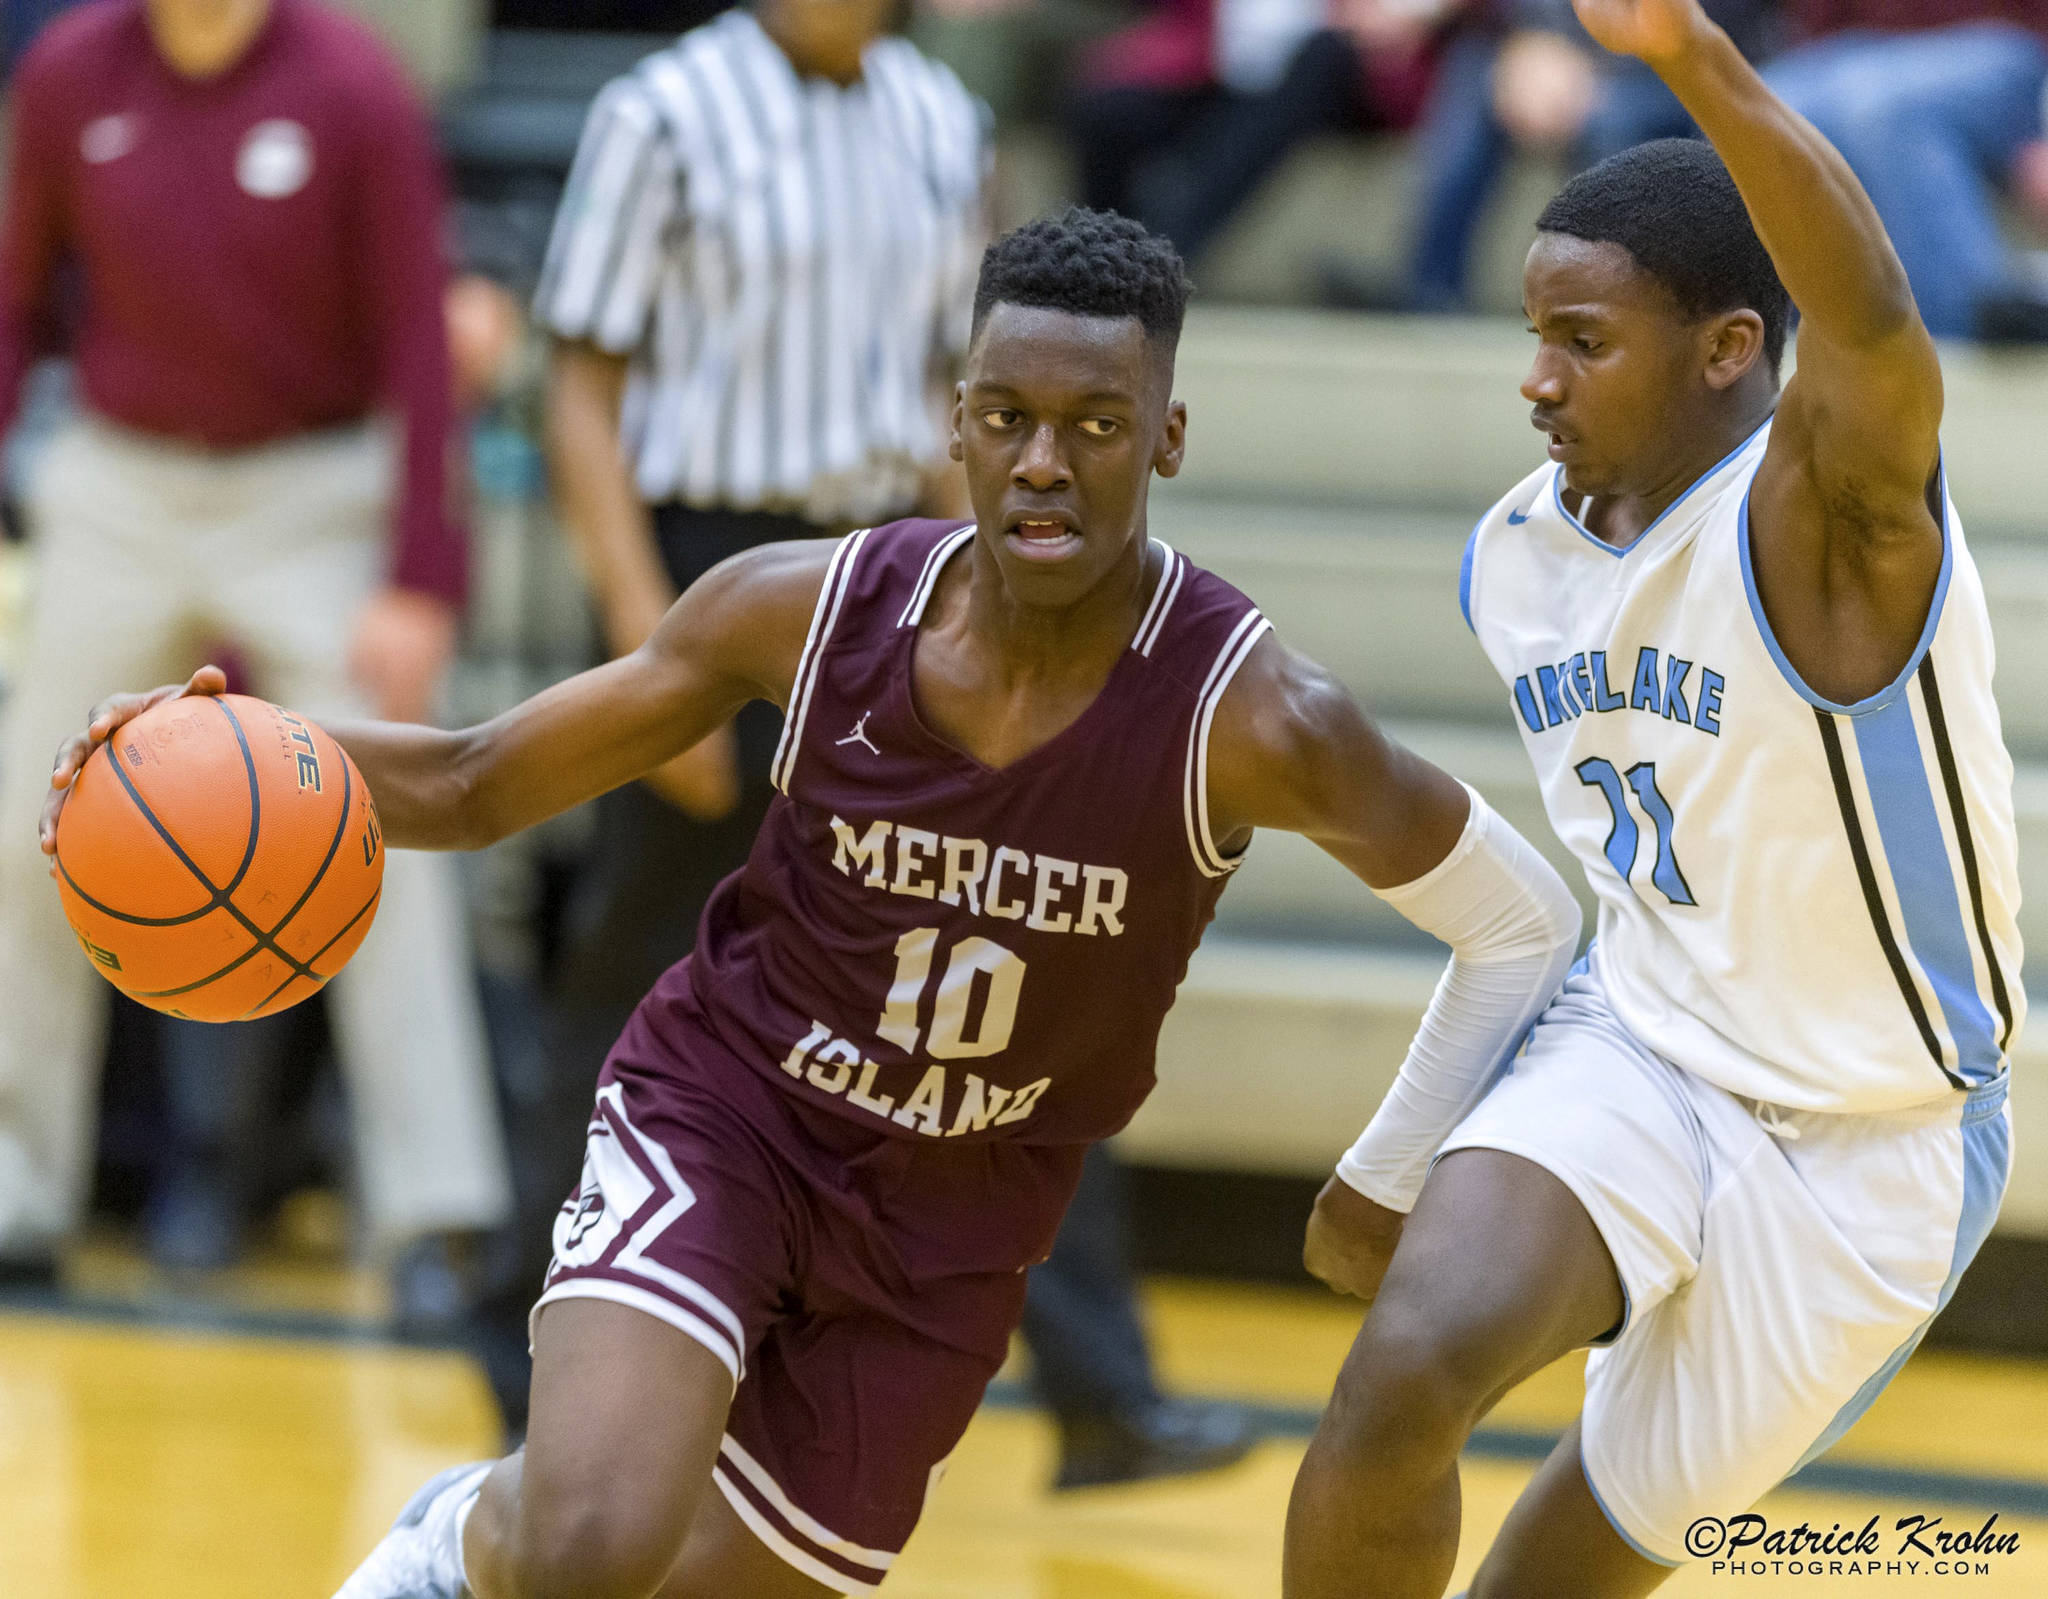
(249, 1439)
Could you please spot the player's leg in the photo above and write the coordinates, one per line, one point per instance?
(105, 615)
(627, 1417)
(676, 1252)
(1565, 1207)
(295, 557)
(1828, 1248)
(1499, 1272)
(723, 1556)
(1557, 1543)
(844, 1423)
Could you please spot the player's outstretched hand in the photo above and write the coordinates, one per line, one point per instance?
(1654, 30)
(109, 714)
(1350, 1240)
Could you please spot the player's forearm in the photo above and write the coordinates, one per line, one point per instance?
(1513, 928)
(1822, 232)
(418, 778)
(568, 744)
(468, 789)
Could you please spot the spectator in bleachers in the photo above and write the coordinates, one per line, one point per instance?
(1523, 75)
(1938, 107)
(248, 200)
(1177, 119)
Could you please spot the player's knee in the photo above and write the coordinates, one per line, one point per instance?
(594, 1546)
(1407, 1396)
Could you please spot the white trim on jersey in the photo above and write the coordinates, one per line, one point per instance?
(838, 575)
(782, 1546)
(1195, 792)
(659, 1306)
(800, 1519)
(1908, 826)
(633, 1257)
(1163, 593)
(802, 1527)
(928, 574)
(1909, 833)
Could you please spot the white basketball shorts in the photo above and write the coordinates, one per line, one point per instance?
(1779, 1265)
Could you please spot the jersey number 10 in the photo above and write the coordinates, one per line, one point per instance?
(970, 958)
(1624, 838)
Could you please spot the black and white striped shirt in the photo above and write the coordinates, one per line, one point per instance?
(785, 260)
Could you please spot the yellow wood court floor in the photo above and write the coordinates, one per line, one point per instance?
(142, 1457)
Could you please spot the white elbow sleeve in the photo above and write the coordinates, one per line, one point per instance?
(1513, 928)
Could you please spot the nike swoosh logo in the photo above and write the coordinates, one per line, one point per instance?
(1517, 518)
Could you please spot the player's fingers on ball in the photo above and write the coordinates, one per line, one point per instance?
(46, 828)
(71, 755)
(112, 711)
(115, 709)
(208, 679)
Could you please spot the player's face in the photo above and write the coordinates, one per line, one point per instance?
(1061, 420)
(1616, 369)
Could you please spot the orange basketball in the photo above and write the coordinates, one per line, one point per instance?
(219, 858)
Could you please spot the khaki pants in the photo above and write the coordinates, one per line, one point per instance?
(147, 550)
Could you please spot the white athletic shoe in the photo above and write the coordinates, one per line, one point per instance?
(419, 1557)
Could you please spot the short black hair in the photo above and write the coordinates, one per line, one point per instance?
(1672, 205)
(1091, 263)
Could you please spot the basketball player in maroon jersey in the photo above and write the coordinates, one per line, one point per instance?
(1021, 758)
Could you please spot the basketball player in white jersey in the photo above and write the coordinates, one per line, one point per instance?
(1753, 1144)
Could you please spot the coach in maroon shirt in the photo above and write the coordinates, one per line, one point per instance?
(251, 193)
(230, 212)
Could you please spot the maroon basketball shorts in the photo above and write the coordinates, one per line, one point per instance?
(711, 1202)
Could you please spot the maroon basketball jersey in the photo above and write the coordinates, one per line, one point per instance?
(940, 950)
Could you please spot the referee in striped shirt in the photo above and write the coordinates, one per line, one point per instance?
(759, 281)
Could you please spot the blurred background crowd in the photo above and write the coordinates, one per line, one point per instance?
(452, 436)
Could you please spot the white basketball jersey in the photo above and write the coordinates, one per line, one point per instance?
(1805, 903)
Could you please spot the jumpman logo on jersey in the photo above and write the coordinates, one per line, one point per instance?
(859, 735)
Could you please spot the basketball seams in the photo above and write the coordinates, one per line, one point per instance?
(164, 833)
(122, 916)
(220, 897)
(333, 844)
(236, 964)
(316, 979)
(255, 797)
(306, 971)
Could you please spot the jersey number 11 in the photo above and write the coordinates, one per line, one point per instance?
(1625, 836)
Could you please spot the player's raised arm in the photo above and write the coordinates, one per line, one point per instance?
(1842, 497)
(1291, 749)
(733, 637)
